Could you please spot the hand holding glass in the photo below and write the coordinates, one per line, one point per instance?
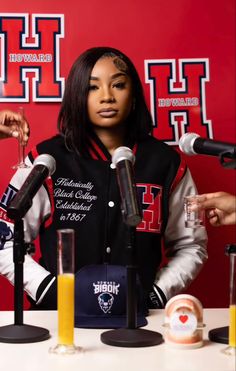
(65, 293)
(21, 144)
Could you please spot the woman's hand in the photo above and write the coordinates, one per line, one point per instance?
(10, 122)
(221, 208)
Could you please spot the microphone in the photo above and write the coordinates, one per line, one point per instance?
(43, 166)
(193, 144)
(123, 160)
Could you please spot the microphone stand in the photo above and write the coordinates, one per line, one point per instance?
(131, 336)
(230, 163)
(19, 332)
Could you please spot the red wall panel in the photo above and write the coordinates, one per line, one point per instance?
(149, 30)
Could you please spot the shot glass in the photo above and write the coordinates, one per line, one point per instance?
(65, 293)
(194, 215)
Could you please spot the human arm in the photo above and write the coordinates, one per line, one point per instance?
(9, 123)
(185, 247)
(34, 274)
(220, 208)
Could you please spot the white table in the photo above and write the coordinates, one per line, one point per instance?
(97, 356)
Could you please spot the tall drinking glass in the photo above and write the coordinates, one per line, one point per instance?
(231, 349)
(65, 293)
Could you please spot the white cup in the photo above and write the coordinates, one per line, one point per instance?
(184, 322)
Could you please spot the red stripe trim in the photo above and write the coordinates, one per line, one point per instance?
(179, 175)
(49, 185)
(135, 149)
(34, 153)
(93, 154)
(99, 151)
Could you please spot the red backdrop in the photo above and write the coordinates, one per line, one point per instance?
(201, 34)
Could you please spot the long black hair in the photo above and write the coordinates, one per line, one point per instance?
(73, 120)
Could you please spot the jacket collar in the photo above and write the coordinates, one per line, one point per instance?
(97, 150)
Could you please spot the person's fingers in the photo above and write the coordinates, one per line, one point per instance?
(206, 204)
(210, 196)
(10, 117)
(7, 132)
(15, 134)
(18, 127)
(214, 221)
(211, 213)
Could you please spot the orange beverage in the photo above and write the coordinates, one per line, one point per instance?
(232, 326)
(65, 300)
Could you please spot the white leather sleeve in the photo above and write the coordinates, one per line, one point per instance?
(33, 274)
(185, 247)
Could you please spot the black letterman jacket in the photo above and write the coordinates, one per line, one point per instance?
(83, 194)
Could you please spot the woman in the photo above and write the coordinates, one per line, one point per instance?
(103, 108)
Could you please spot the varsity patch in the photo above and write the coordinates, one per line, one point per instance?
(150, 196)
(6, 198)
(6, 232)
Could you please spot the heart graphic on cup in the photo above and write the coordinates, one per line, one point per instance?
(183, 318)
(183, 315)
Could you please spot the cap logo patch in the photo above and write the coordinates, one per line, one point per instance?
(107, 290)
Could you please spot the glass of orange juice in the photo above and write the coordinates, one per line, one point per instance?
(65, 293)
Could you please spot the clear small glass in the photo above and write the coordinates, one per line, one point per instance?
(21, 147)
(65, 293)
(194, 215)
(231, 348)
